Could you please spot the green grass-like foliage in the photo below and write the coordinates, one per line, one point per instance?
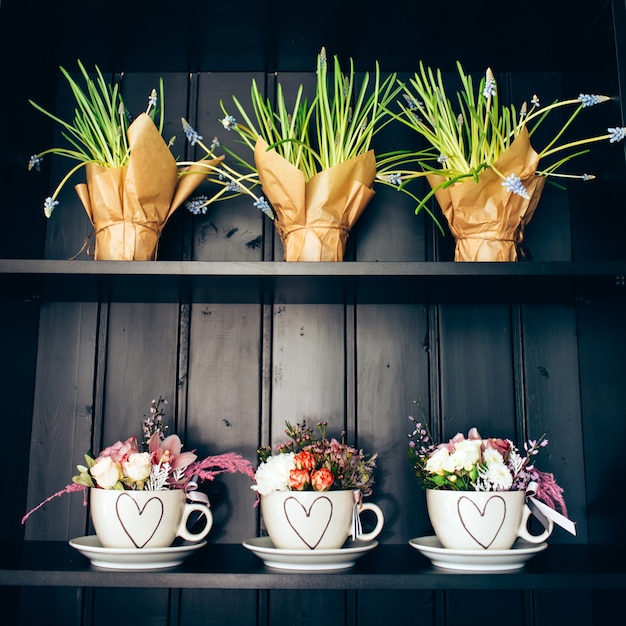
(337, 124)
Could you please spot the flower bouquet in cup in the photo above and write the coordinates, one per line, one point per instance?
(138, 495)
(479, 161)
(315, 162)
(134, 183)
(311, 490)
(480, 492)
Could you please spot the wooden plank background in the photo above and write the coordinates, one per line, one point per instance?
(234, 373)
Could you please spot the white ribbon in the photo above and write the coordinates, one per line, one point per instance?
(357, 528)
(544, 513)
(192, 493)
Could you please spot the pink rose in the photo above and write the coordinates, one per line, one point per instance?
(322, 480)
(120, 451)
(503, 446)
(299, 479)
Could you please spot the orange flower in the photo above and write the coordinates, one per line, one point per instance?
(299, 479)
(305, 461)
(322, 480)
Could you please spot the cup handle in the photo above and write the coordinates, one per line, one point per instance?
(184, 533)
(380, 520)
(524, 533)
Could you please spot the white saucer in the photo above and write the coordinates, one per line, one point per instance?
(308, 560)
(133, 558)
(477, 560)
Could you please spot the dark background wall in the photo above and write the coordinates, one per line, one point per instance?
(77, 375)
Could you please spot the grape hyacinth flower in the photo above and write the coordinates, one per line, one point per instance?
(49, 206)
(197, 205)
(616, 134)
(229, 122)
(589, 100)
(514, 184)
(34, 163)
(264, 206)
(192, 136)
(490, 85)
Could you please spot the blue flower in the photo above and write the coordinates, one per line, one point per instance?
(263, 204)
(34, 163)
(412, 104)
(514, 184)
(190, 133)
(215, 143)
(394, 179)
(197, 205)
(490, 84)
(588, 100)
(234, 187)
(442, 158)
(229, 122)
(616, 134)
(490, 88)
(49, 205)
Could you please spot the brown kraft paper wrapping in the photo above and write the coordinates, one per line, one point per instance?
(129, 206)
(486, 220)
(313, 217)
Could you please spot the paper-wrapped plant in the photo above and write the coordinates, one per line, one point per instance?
(134, 183)
(479, 161)
(315, 162)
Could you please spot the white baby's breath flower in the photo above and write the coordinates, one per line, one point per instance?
(273, 475)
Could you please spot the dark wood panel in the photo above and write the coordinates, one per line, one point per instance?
(601, 346)
(552, 404)
(307, 609)
(199, 607)
(232, 229)
(223, 407)
(308, 356)
(392, 356)
(62, 416)
(476, 386)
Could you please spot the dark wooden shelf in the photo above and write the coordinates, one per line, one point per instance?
(280, 282)
(231, 566)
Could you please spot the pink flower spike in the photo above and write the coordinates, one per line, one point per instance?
(229, 462)
(68, 489)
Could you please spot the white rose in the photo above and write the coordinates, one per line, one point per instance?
(106, 472)
(437, 460)
(138, 466)
(273, 475)
(465, 456)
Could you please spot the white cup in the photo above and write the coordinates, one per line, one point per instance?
(144, 519)
(313, 520)
(480, 520)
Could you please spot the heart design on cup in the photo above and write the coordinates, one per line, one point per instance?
(473, 519)
(130, 515)
(297, 515)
